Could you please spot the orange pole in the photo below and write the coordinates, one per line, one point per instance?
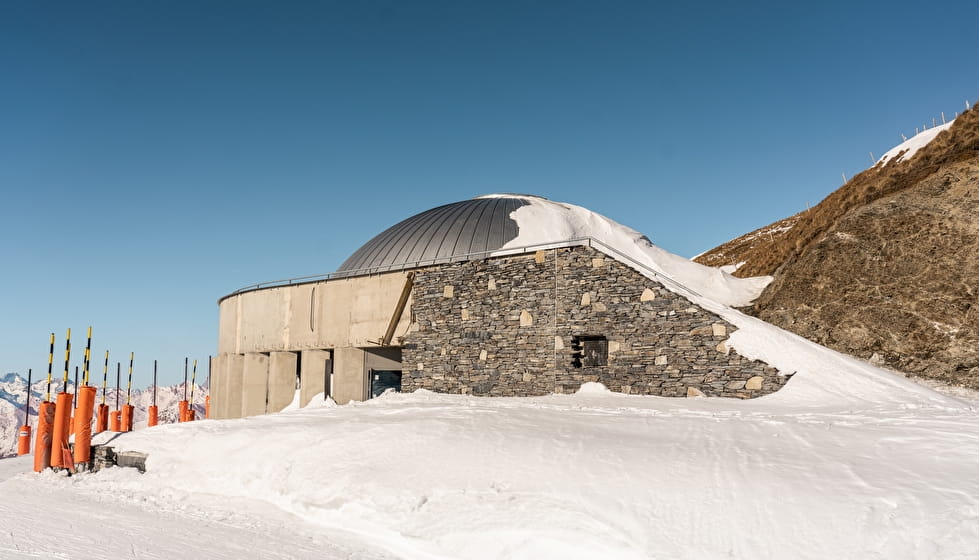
(83, 424)
(42, 445)
(126, 421)
(24, 440)
(59, 436)
(115, 421)
(24, 435)
(152, 415)
(182, 414)
(102, 422)
(207, 406)
(190, 415)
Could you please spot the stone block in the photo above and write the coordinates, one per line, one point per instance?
(719, 329)
(647, 295)
(526, 319)
(754, 383)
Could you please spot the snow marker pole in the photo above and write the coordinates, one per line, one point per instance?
(88, 355)
(207, 399)
(114, 416)
(45, 422)
(102, 423)
(152, 414)
(50, 362)
(193, 383)
(24, 437)
(74, 405)
(127, 410)
(182, 405)
(67, 358)
(62, 414)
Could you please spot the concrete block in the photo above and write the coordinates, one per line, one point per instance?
(255, 384)
(314, 371)
(282, 380)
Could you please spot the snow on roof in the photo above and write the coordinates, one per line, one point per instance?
(915, 143)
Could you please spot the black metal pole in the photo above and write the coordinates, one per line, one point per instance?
(27, 403)
(129, 383)
(154, 382)
(185, 378)
(118, 378)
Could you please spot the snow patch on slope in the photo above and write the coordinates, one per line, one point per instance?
(913, 144)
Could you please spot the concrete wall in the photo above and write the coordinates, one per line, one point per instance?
(282, 380)
(329, 314)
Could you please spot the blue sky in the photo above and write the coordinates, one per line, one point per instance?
(155, 156)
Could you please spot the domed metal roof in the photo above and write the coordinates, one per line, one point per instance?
(442, 234)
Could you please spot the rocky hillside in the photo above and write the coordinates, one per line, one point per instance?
(887, 267)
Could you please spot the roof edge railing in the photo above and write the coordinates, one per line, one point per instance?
(577, 242)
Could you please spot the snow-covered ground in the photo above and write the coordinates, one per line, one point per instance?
(591, 475)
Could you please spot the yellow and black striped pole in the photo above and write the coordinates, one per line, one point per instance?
(129, 383)
(88, 355)
(128, 411)
(50, 363)
(105, 375)
(67, 359)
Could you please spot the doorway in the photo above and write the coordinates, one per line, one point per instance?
(384, 379)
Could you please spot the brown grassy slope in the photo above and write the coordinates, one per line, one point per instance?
(764, 256)
(895, 281)
(735, 251)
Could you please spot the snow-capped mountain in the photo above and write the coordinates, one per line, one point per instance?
(13, 395)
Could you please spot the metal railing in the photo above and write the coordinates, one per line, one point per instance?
(577, 242)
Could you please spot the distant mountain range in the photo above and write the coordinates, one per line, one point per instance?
(13, 395)
(886, 268)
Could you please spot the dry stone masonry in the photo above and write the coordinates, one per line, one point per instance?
(550, 321)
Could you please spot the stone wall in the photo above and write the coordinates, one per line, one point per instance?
(506, 326)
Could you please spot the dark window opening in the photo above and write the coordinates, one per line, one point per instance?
(589, 351)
